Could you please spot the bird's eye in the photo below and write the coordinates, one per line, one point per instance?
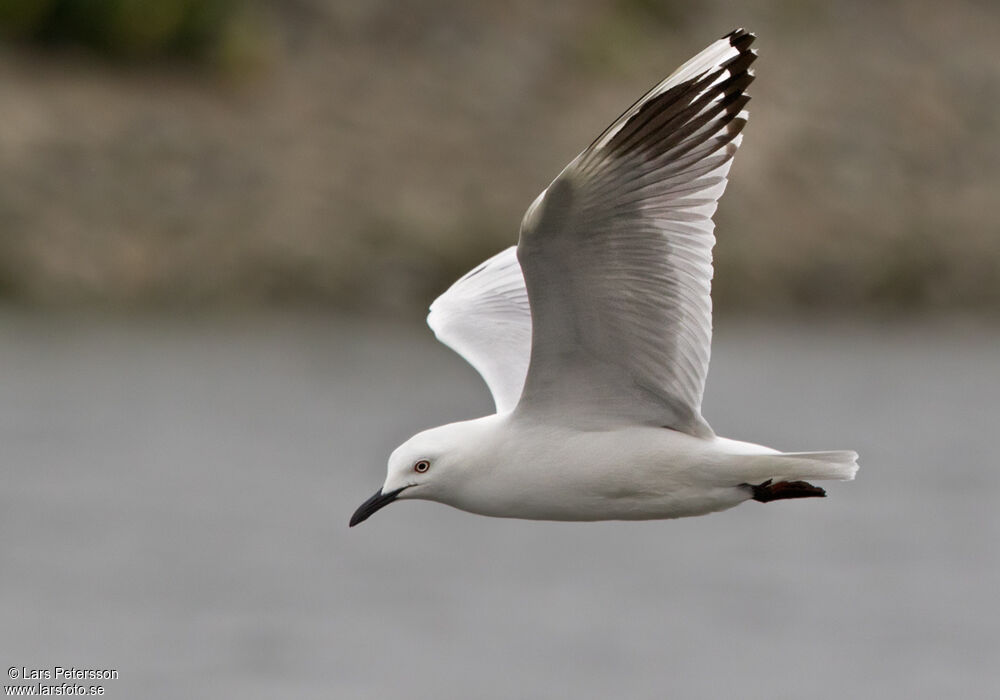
(422, 466)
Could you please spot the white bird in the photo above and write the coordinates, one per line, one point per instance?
(593, 335)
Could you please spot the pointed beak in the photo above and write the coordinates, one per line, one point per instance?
(379, 500)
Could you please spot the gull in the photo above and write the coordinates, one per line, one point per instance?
(593, 334)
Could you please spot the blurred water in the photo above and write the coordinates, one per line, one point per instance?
(175, 498)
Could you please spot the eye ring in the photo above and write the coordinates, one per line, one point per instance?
(421, 466)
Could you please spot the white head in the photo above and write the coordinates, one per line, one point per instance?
(430, 465)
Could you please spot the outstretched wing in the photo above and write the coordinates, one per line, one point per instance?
(617, 254)
(485, 318)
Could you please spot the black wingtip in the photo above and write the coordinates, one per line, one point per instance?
(740, 38)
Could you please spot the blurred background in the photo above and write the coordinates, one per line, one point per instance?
(361, 155)
(221, 223)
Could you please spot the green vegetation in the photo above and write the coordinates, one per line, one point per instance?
(202, 30)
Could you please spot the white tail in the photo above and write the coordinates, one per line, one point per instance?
(791, 466)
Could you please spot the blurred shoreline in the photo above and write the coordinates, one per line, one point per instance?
(361, 156)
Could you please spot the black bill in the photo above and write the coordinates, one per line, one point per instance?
(379, 500)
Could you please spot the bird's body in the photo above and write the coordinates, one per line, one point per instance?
(594, 334)
(518, 468)
(547, 471)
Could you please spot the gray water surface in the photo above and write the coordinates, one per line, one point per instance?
(175, 496)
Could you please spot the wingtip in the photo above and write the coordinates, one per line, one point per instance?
(740, 38)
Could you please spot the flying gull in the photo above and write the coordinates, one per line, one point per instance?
(593, 334)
